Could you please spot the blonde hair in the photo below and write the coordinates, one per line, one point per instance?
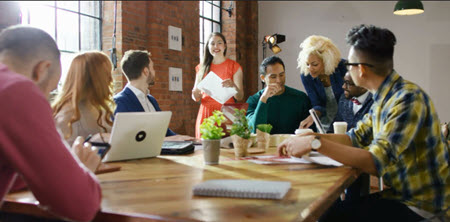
(322, 47)
(89, 79)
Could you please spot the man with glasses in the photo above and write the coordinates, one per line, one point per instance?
(354, 103)
(400, 140)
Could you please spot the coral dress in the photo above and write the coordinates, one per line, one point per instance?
(224, 70)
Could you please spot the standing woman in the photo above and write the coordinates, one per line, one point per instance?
(84, 106)
(228, 70)
(322, 73)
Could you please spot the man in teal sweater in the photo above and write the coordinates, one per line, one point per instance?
(277, 104)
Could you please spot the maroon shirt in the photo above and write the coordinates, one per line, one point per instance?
(31, 147)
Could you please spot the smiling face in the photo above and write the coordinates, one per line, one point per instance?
(315, 65)
(217, 46)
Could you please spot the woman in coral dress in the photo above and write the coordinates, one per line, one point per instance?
(228, 70)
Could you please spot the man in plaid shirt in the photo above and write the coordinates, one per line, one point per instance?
(399, 139)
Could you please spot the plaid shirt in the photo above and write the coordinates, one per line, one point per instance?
(403, 134)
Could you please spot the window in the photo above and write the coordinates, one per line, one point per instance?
(75, 25)
(210, 21)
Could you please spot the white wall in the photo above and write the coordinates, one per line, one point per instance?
(422, 53)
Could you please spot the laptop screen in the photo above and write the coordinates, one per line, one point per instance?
(317, 121)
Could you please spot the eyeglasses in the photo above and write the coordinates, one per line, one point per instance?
(348, 84)
(348, 64)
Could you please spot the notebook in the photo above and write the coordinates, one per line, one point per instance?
(137, 135)
(177, 147)
(258, 189)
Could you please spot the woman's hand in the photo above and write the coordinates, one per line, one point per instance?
(306, 123)
(196, 94)
(85, 154)
(229, 84)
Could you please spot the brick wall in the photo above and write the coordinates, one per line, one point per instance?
(144, 25)
(241, 30)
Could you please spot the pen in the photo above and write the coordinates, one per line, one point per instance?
(88, 138)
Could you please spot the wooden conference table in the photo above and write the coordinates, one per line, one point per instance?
(161, 189)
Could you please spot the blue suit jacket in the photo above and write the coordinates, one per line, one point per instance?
(127, 101)
(345, 112)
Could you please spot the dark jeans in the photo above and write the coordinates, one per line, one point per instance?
(369, 208)
(359, 188)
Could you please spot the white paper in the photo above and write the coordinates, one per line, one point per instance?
(212, 85)
(314, 157)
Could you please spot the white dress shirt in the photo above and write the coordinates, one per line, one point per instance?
(142, 97)
(361, 100)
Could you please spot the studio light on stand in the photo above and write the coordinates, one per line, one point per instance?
(408, 7)
(272, 41)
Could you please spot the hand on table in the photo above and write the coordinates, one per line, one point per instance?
(296, 146)
(179, 138)
(85, 154)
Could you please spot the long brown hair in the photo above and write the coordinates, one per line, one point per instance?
(207, 57)
(89, 79)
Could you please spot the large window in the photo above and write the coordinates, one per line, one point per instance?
(210, 21)
(75, 25)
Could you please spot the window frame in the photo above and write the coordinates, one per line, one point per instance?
(210, 19)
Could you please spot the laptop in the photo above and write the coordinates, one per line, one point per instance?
(137, 135)
(317, 121)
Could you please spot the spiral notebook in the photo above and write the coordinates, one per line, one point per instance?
(258, 189)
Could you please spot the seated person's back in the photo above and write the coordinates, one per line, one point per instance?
(30, 146)
(88, 85)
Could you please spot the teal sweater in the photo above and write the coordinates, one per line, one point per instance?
(284, 112)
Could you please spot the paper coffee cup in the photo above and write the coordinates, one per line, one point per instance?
(340, 127)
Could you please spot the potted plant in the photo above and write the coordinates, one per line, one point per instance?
(211, 133)
(263, 136)
(240, 133)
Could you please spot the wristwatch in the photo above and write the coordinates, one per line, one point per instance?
(315, 143)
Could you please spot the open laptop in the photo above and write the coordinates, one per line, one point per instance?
(137, 135)
(317, 121)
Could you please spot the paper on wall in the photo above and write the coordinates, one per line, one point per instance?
(212, 85)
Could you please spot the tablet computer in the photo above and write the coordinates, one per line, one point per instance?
(317, 121)
(177, 147)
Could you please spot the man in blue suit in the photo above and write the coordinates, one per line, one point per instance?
(137, 67)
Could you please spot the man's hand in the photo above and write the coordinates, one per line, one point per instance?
(84, 153)
(271, 90)
(306, 123)
(296, 146)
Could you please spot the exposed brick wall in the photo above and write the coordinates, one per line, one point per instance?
(241, 30)
(144, 25)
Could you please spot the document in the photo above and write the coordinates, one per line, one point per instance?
(212, 85)
(314, 157)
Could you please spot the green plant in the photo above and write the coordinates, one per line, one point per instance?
(240, 126)
(211, 128)
(264, 127)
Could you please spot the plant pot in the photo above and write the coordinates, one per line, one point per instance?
(240, 145)
(211, 151)
(263, 140)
